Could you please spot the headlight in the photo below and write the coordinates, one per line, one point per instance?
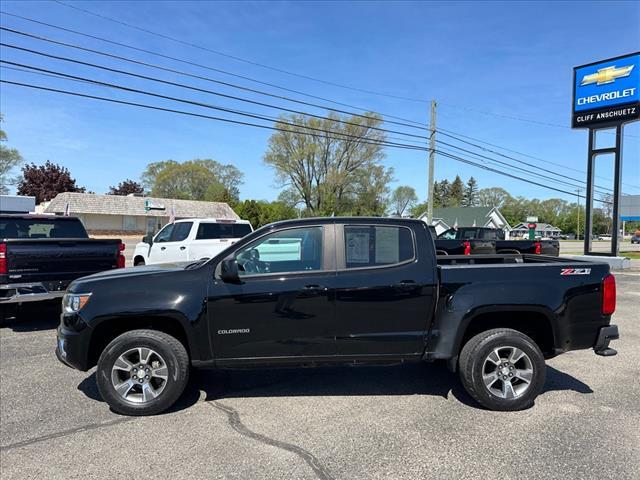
(73, 302)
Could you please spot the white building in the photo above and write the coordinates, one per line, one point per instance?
(126, 215)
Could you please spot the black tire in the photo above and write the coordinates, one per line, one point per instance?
(139, 262)
(168, 347)
(472, 367)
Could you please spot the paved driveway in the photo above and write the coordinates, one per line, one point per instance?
(331, 423)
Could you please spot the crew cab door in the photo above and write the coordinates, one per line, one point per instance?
(284, 307)
(170, 244)
(385, 290)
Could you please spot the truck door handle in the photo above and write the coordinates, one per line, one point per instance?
(405, 285)
(313, 288)
(163, 248)
(182, 248)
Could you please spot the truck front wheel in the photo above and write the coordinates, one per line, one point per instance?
(142, 372)
(502, 369)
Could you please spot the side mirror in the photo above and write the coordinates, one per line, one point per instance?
(229, 271)
(148, 238)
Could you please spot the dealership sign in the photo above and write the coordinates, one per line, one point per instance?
(606, 92)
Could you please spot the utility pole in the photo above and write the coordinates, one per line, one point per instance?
(578, 225)
(432, 160)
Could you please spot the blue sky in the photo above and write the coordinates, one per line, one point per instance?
(480, 61)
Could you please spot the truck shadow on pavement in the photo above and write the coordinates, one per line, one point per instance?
(415, 379)
(35, 317)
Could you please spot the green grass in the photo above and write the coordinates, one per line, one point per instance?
(632, 255)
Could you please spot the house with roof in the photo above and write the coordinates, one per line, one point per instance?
(542, 230)
(454, 217)
(132, 215)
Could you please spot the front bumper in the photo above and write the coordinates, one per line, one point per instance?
(72, 348)
(605, 335)
(29, 292)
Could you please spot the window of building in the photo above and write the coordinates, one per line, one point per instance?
(129, 223)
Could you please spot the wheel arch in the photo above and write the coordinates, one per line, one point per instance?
(106, 331)
(535, 322)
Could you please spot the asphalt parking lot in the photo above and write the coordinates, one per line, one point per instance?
(331, 423)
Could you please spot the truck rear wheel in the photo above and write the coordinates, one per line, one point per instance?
(142, 372)
(502, 369)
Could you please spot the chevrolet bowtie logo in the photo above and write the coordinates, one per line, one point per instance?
(606, 75)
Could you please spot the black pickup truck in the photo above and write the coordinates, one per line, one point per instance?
(459, 246)
(537, 247)
(351, 291)
(41, 254)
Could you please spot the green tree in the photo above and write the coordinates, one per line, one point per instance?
(492, 197)
(456, 192)
(261, 213)
(10, 158)
(403, 197)
(199, 179)
(418, 209)
(442, 194)
(470, 196)
(335, 172)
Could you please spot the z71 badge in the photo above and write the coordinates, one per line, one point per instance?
(575, 271)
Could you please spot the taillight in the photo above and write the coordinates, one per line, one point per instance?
(467, 247)
(121, 258)
(608, 295)
(538, 249)
(3, 258)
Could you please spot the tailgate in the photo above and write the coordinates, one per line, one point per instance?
(483, 247)
(58, 260)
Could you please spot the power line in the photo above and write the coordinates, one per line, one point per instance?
(238, 122)
(271, 106)
(195, 103)
(528, 172)
(262, 117)
(212, 92)
(519, 119)
(457, 134)
(510, 158)
(484, 167)
(240, 59)
(175, 59)
(209, 79)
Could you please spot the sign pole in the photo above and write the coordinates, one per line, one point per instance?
(617, 192)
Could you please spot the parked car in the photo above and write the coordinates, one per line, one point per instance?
(538, 247)
(41, 254)
(190, 239)
(358, 291)
(452, 246)
(635, 238)
(604, 237)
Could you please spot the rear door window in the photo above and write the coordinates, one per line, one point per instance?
(375, 246)
(216, 231)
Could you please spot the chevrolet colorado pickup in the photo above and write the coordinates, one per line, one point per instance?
(351, 291)
(41, 254)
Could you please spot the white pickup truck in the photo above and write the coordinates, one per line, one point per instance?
(190, 239)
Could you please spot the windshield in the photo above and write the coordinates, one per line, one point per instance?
(41, 228)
